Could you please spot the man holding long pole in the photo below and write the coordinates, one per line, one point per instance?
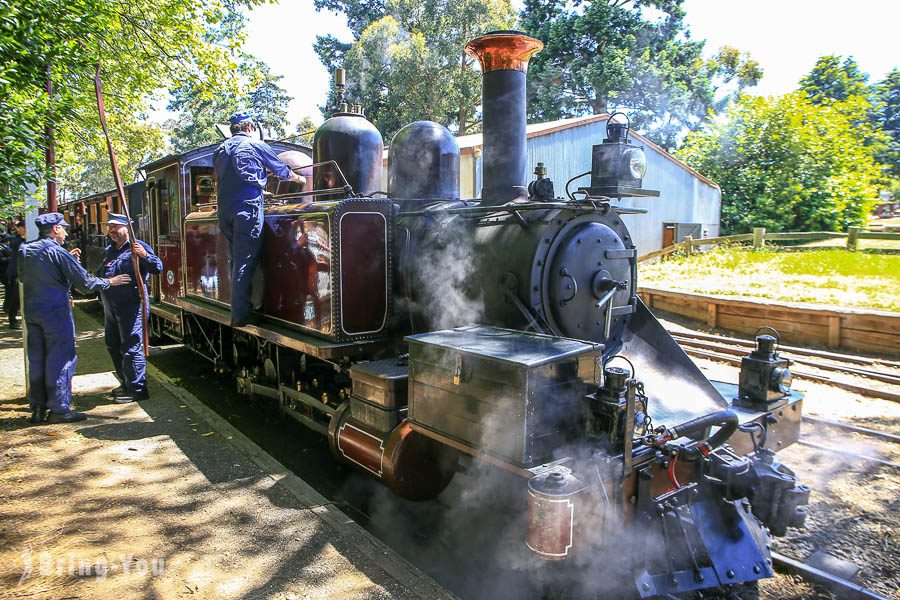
(124, 333)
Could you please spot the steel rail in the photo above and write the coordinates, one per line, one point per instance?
(847, 453)
(854, 428)
(846, 590)
(860, 360)
(851, 387)
(729, 348)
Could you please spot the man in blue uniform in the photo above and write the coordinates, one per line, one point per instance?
(124, 334)
(11, 278)
(47, 272)
(241, 163)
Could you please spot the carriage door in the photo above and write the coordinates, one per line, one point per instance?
(165, 202)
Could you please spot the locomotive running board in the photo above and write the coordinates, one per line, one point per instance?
(282, 336)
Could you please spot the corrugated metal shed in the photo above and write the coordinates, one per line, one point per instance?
(686, 196)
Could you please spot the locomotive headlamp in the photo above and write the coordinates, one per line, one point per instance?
(765, 375)
(618, 167)
(637, 162)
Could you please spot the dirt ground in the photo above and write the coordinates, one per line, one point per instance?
(149, 501)
(854, 508)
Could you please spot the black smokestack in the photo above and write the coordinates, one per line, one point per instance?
(504, 57)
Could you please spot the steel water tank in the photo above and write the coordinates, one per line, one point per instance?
(424, 163)
(352, 141)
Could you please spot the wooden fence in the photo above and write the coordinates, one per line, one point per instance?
(759, 237)
(874, 332)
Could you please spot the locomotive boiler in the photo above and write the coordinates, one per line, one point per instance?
(420, 331)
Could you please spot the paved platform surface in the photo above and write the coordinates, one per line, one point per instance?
(164, 499)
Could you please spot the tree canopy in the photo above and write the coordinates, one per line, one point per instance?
(630, 55)
(407, 61)
(831, 80)
(788, 164)
(142, 47)
(253, 86)
(886, 114)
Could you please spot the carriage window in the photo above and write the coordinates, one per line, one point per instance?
(163, 205)
(174, 209)
(203, 186)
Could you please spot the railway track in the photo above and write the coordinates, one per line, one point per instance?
(852, 373)
(842, 588)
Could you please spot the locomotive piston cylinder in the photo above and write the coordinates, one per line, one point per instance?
(504, 57)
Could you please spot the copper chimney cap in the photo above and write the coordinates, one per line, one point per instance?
(498, 50)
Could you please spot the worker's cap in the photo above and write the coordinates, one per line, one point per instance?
(116, 219)
(242, 116)
(50, 219)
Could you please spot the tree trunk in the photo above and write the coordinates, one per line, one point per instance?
(600, 104)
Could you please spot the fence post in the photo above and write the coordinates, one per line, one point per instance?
(759, 237)
(688, 245)
(852, 237)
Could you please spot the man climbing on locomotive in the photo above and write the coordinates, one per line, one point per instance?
(241, 162)
(124, 335)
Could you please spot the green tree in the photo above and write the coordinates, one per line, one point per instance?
(834, 81)
(83, 163)
(788, 164)
(408, 61)
(200, 112)
(886, 115)
(304, 133)
(629, 55)
(142, 46)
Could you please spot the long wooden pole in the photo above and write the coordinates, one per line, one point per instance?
(50, 150)
(142, 289)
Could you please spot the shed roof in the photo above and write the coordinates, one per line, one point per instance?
(470, 143)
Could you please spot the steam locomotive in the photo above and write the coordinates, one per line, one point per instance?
(420, 331)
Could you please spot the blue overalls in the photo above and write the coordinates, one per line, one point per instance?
(240, 164)
(47, 271)
(124, 335)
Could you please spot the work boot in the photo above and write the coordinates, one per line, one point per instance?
(38, 415)
(73, 416)
(131, 397)
(252, 319)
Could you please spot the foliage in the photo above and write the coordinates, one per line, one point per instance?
(83, 163)
(828, 276)
(788, 164)
(408, 61)
(629, 55)
(253, 87)
(199, 113)
(834, 81)
(305, 132)
(886, 115)
(142, 46)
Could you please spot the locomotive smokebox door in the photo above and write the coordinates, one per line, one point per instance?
(513, 395)
(765, 376)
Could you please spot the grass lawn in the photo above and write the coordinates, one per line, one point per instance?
(827, 276)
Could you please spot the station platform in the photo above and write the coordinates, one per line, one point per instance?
(165, 499)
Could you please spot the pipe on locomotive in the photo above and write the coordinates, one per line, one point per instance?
(504, 57)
